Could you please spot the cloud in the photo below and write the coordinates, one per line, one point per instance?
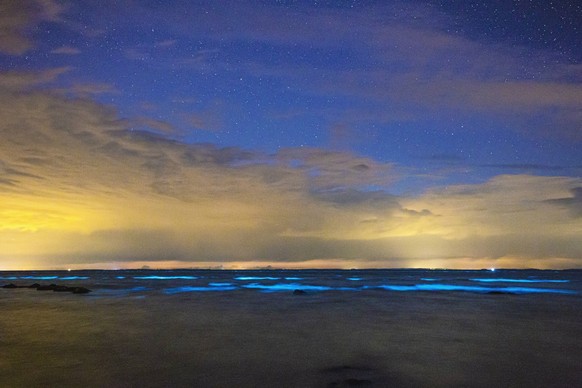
(156, 125)
(66, 50)
(207, 118)
(404, 61)
(18, 17)
(572, 203)
(166, 43)
(78, 185)
(396, 62)
(87, 90)
(19, 81)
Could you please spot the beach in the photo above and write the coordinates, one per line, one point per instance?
(246, 338)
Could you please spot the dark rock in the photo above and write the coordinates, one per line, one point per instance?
(52, 287)
(61, 289)
(80, 290)
(46, 288)
(299, 292)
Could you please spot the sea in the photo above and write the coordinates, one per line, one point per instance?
(292, 328)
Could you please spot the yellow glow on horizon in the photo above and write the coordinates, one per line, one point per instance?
(453, 264)
(64, 213)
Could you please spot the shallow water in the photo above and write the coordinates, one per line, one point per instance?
(246, 329)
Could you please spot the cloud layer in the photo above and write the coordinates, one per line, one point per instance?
(79, 185)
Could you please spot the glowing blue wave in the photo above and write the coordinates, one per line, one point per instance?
(255, 278)
(504, 280)
(165, 277)
(39, 277)
(354, 279)
(477, 289)
(108, 292)
(177, 290)
(286, 287)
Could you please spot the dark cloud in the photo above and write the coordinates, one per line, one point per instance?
(573, 203)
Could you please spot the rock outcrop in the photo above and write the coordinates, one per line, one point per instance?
(52, 287)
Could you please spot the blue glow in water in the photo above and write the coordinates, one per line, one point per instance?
(526, 290)
(8, 278)
(286, 287)
(293, 278)
(392, 287)
(354, 279)
(118, 292)
(220, 284)
(429, 279)
(255, 278)
(138, 289)
(177, 290)
(120, 277)
(74, 277)
(478, 289)
(165, 277)
(503, 280)
(39, 277)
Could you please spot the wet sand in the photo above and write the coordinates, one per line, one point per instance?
(327, 339)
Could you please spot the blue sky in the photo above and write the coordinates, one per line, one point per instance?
(367, 111)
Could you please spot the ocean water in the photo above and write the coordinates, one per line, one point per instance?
(220, 328)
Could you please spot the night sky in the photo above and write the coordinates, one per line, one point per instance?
(436, 134)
